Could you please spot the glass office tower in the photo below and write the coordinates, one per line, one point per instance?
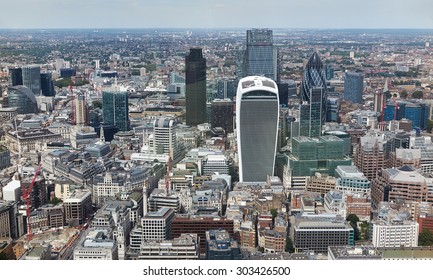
(32, 78)
(115, 107)
(195, 84)
(261, 57)
(314, 77)
(257, 114)
(353, 87)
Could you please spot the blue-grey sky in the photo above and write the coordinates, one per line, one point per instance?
(216, 14)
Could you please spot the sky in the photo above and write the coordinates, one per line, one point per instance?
(216, 14)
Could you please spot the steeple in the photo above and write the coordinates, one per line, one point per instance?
(101, 135)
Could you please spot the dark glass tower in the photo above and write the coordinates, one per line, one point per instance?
(353, 87)
(222, 114)
(260, 56)
(195, 83)
(15, 77)
(310, 123)
(115, 108)
(47, 85)
(257, 115)
(314, 78)
(32, 78)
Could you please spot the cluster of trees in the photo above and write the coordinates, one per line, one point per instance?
(65, 82)
(425, 238)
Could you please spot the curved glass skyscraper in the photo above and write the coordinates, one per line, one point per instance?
(313, 95)
(257, 113)
(23, 99)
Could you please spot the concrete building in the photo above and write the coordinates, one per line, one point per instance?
(401, 184)
(96, 246)
(184, 247)
(29, 140)
(351, 179)
(216, 164)
(220, 246)
(78, 207)
(370, 156)
(393, 229)
(316, 233)
(8, 223)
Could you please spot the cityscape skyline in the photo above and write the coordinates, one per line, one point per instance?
(221, 14)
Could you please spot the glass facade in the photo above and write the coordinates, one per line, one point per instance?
(195, 83)
(32, 78)
(115, 109)
(311, 114)
(15, 77)
(257, 115)
(314, 77)
(322, 155)
(222, 114)
(415, 111)
(261, 57)
(47, 85)
(353, 87)
(23, 99)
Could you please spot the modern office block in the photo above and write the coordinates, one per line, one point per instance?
(311, 113)
(353, 87)
(115, 107)
(314, 77)
(222, 114)
(32, 78)
(261, 57)
(23, 99)
(195, 83)
(47, 84)
(257, 115)
(15, 77)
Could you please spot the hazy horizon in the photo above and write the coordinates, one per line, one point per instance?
(219, 14)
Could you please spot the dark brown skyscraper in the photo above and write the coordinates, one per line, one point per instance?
(195, 74)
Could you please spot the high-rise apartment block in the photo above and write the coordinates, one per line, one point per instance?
(195, 83)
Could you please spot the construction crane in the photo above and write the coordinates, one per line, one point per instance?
(27, 197)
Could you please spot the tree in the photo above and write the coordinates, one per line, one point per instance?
(353, 220)
(274, 213)
(403, 94)
(97, 104)
(425, 238)
(365, 230)
(417, 94)
(55, 201)
(388, 94)
(289, 245)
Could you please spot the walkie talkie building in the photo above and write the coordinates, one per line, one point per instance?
(257, 113)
